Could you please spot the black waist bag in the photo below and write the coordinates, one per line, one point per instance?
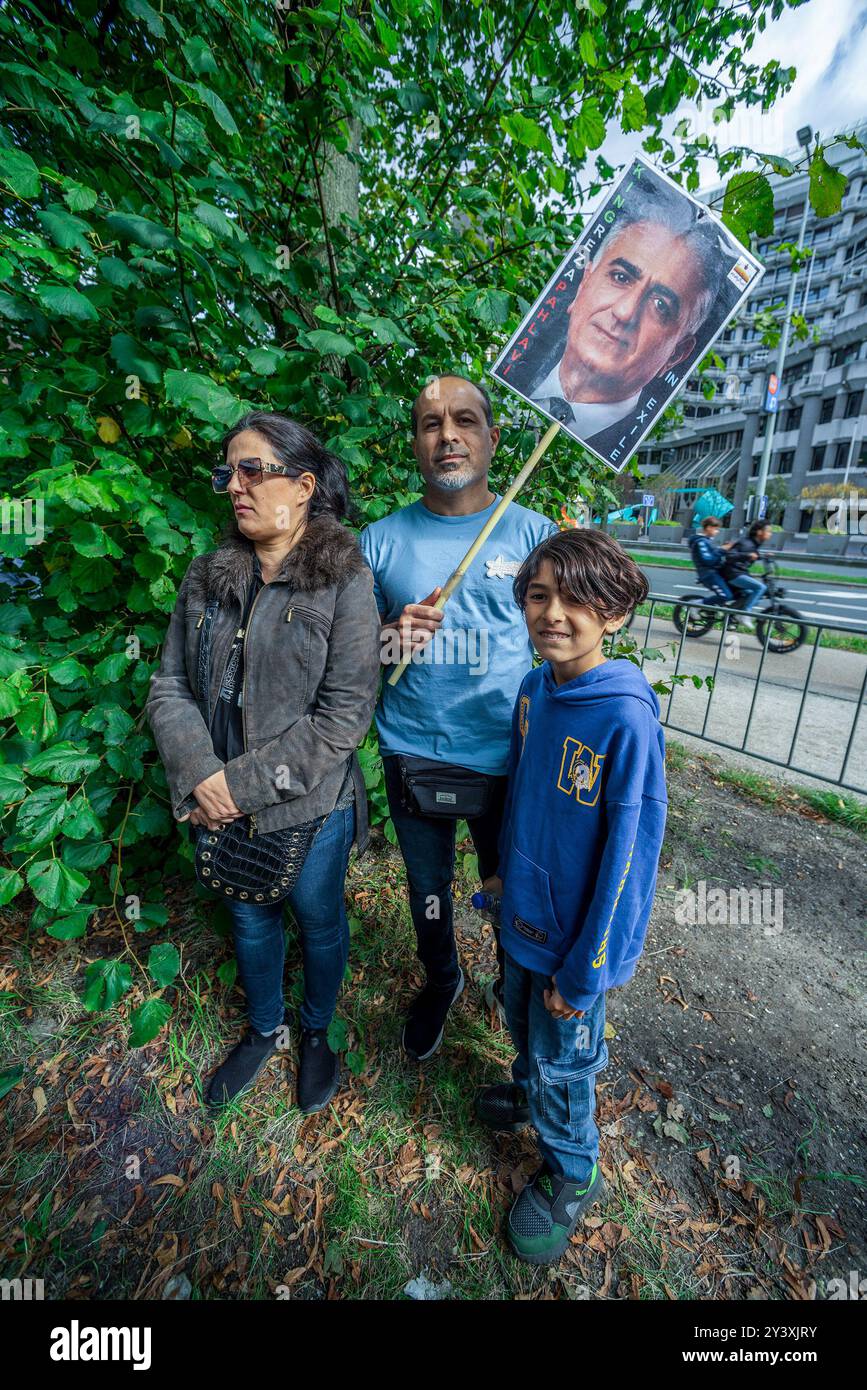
(430, 788)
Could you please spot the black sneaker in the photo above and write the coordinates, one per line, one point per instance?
(424, 1027)
(546, 1213)
(318, 1071)
(503, 1107)
(243, 1065)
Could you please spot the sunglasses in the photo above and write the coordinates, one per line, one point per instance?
(251, 472)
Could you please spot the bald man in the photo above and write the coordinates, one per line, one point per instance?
(453, 705)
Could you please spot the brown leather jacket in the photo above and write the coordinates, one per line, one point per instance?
(311, 671)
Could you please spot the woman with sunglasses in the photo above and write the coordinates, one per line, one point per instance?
(266, 687)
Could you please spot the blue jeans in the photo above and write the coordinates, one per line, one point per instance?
(749, 587)
(556, 1064)
(318, 907)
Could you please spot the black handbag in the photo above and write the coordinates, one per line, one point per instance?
(430, 788)
(260, 868)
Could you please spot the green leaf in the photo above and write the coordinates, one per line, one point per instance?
(71, 927)
(827, 185)
(587, 48)
(63, 302)
(591, 124)
(140, 230)
(634, 108)
(55, 885)
(11, 884)
(227, 973)
(78, 196)
(202, 397)
(140, 9)
(526, 132)
(62, 762)
(9, 1077)
(218, 107)
(199, 56)
(218, 222)
(147, 1020)
(491, 307)
(325, 342)
(164, 962)
(68, 671)
(37, 719)
(338, 1034)
(386, 330)
(18, 172)
(12, 786)
(66, 231)
(40, 815)
(748, 205)
(106, 981)
(134, 359)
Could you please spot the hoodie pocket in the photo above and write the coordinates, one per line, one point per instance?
(528, 903)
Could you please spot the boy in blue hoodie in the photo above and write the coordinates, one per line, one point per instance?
(582, 831)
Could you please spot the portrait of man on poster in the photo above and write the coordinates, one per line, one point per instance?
(635, 304)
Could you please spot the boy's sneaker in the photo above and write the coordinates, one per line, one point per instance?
(503, 1107)
(318, 1071)
(546, 1213)
(242, 1066)
(425, 1024)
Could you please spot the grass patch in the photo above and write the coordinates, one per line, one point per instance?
(832, 805)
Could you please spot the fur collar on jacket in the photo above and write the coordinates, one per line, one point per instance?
(326, 554)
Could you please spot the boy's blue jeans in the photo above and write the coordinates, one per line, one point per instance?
(318, 907)
(556, 1064)
(750, 587)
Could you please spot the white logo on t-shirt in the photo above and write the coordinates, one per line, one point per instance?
(501, 568)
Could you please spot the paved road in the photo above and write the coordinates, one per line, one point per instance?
(813, 741)
(822, 600)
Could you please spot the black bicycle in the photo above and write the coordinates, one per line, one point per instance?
(695, 615)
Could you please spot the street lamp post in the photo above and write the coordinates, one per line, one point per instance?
(805, 136)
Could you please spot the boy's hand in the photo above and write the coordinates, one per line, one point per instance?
(494, 886)
(557, 1005)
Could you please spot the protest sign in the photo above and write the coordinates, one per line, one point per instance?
(634, 305)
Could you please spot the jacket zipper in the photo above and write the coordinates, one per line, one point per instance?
(307, 613)
(253, 825)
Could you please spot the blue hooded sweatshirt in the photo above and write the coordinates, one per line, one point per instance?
(582, 826)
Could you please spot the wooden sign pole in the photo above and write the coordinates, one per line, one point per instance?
(457, 575)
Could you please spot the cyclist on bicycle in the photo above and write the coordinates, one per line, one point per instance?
(709, 558)
(742, 553)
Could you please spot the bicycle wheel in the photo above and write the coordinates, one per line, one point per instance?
(787, 631)
(694, 619)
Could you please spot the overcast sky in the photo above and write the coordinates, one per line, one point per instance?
(826, 40)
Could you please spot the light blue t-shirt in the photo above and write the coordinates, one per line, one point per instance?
(454, 701)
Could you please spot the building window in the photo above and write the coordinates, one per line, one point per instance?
(853, 404)
(793, 418)
(841, 453)
(784, 461)
(817, 459)
(827, 410)
(840, 356)
(763, 424)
